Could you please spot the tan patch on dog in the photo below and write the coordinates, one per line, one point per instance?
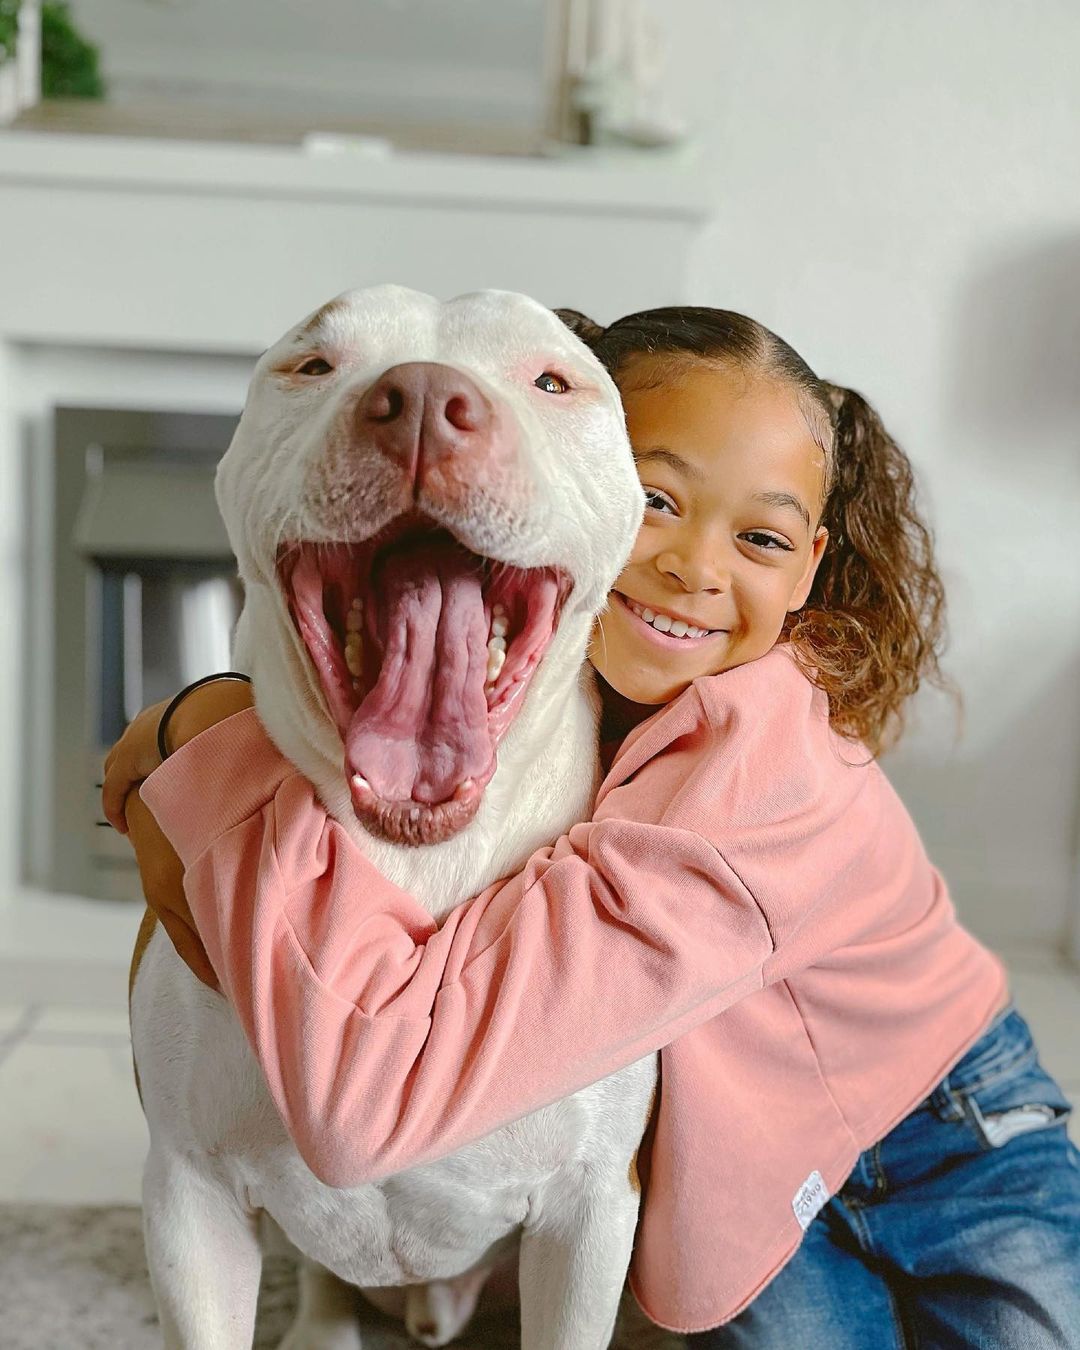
(635, 1179)
(142, 941)
(316, 321)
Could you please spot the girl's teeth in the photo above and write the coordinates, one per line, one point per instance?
(676, 627)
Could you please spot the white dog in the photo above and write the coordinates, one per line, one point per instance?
(412, 442)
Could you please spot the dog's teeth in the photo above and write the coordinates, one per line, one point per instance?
(354, 654)
(361, 783)
(354, 620)
(414, 814)
(497, 644)
(463, 789)
(495, 663)
(498, 610)
(498, 628)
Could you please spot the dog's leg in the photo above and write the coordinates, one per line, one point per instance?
(204, 1257)
(326, 1318)
(574, 1258)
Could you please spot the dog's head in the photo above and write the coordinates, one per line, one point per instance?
(435, 498)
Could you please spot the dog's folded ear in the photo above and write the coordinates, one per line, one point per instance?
(582, 326)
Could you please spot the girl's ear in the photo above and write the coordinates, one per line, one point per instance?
(802, 590)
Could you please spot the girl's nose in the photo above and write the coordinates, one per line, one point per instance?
(696, 571)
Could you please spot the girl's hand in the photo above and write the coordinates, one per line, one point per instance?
(133, 758)
(135, 755)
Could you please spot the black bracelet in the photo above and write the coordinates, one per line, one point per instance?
(163, 750)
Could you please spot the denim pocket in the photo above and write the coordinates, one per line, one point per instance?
(998, 1127)
(1001, 1087)
(1015, 1103)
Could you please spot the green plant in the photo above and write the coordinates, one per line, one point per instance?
(9, 28)
(69, 64)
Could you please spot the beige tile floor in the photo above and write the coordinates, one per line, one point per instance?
(71, 1130)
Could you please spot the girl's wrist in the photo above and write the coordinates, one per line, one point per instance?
(204, 707)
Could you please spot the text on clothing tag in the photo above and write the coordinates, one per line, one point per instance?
(809, 1199)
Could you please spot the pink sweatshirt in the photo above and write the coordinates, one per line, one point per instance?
(750, 898)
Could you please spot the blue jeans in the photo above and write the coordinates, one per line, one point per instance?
(961, 1228)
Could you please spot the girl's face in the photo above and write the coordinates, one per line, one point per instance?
(730, 541)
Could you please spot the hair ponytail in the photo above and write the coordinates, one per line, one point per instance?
(582, 326)
(874, 622)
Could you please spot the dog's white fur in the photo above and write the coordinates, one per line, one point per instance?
(219, 1156)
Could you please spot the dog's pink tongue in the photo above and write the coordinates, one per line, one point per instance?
(423, 728)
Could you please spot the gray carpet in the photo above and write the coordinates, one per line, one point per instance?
(75, 1279)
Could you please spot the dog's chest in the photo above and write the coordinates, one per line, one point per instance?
(428, 1222)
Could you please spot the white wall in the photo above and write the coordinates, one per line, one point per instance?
(899, 198)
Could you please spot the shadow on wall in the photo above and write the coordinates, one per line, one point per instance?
(972, 801)
(1017, 370)
(1000, 812)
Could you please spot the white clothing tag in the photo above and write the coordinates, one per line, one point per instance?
(809, 1199)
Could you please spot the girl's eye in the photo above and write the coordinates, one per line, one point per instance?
(315, 365)
(767, 541)
(551, 384)
(657, 500)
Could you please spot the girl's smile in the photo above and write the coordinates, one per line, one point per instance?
(733, 481)
(679, 634)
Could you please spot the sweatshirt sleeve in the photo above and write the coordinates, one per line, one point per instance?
(385, 1040)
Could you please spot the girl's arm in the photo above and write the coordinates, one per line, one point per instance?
(386, 1041)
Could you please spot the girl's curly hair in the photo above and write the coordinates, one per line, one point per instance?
(873, 625)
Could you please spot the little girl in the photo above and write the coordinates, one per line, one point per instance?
(855, 1144)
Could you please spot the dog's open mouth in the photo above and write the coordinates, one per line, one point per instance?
(424, 650)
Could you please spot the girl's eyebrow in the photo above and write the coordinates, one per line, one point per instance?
(784, 499)
(677, 462)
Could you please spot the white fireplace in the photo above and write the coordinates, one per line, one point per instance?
(138, 274)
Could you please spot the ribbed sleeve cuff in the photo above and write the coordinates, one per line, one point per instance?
(215, 781)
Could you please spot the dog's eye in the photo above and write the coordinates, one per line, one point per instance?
(551, 384)
(315, 365)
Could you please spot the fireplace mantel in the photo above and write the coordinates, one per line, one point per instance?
(214, 247)
(140, 273)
